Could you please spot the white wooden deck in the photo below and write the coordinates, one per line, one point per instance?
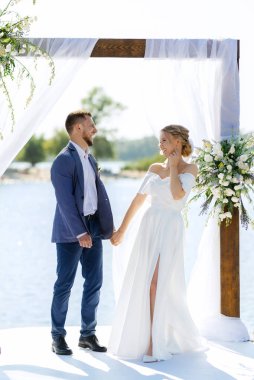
(26, 355)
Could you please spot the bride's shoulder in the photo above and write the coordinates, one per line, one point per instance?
(155, 168)
(192, 169)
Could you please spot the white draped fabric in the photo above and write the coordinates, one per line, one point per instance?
(68, 55)
(198, 83)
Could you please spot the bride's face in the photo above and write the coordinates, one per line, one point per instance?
(168, 143)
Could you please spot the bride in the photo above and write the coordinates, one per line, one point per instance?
(152, 318)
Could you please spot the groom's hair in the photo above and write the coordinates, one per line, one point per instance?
(74, 118)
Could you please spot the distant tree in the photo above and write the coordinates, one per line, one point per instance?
(103, 148)
(33, 151)
(102, 107)
(57, 142)
(144, 163)
(136, 149)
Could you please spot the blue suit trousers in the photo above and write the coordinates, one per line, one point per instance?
(68, 257)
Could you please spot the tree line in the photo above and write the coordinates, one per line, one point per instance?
(106, 144)
(39, 149)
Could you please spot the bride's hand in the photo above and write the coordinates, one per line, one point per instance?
(117, 237)
(174, 158)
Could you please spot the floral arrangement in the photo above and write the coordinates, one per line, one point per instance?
(13, 45)
(226, 177)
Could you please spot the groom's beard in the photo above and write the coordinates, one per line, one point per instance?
(88, 140)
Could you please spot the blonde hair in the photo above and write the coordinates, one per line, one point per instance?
(183, 134)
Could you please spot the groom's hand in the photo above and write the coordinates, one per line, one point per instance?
(85, 241)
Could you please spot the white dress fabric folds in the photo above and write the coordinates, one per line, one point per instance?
(159, 235)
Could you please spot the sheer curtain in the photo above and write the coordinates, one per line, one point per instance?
(197, 85)
(68, 55)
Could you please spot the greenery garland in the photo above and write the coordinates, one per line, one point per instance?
(226, 178)
(14, 44)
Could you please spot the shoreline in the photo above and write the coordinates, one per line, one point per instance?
(43, 175)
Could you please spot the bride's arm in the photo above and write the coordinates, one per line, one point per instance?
(175, 183)
(133, 208)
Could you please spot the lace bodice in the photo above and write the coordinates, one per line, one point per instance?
(159, 190)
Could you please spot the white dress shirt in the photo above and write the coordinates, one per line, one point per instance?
(90, 203)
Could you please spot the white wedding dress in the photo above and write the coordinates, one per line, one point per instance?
(159, 234)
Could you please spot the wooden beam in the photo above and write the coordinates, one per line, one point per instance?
(119, 48)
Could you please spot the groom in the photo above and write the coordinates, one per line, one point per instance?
(82, 219)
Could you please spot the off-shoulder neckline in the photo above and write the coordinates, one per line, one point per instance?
(169, 175)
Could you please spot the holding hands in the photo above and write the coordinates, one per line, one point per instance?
(117, 237)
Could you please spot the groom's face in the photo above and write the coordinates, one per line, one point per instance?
(88, 130)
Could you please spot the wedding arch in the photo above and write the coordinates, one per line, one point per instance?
(223, 115)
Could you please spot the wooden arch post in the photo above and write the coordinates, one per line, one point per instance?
(229, 259)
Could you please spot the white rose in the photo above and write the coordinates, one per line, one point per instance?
(221, 175)
(225, 183)
(243, 157)
(237, 187)
(237, 204)
(225, 215)
(219, 154)
(208, 158)
(232, 149)
(222, 216)
(235, 199)
(217, 148)
(229, 192)
(242, 165)
(225, 200)
(235, 180)
(216, 192)
(8, 48)
(229, 167)
(207, 146)
(229, 177)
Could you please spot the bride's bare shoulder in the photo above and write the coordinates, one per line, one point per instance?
(192, 169)
(155, 168)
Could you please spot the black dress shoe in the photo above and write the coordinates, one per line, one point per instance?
(91, 342)
(60, 347)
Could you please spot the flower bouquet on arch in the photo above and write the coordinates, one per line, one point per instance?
(13, 45)
(226, 178)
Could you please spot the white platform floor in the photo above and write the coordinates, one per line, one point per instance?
(26, 355)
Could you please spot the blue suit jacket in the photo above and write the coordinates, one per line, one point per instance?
(68, 180)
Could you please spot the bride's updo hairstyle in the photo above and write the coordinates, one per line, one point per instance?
(183, 134)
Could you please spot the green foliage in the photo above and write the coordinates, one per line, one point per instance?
(56, 143)
(100, 105)
(103, 148)
(33, 151)
(144, 163)
(128, 150)
(13, 45)
(226, 178)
